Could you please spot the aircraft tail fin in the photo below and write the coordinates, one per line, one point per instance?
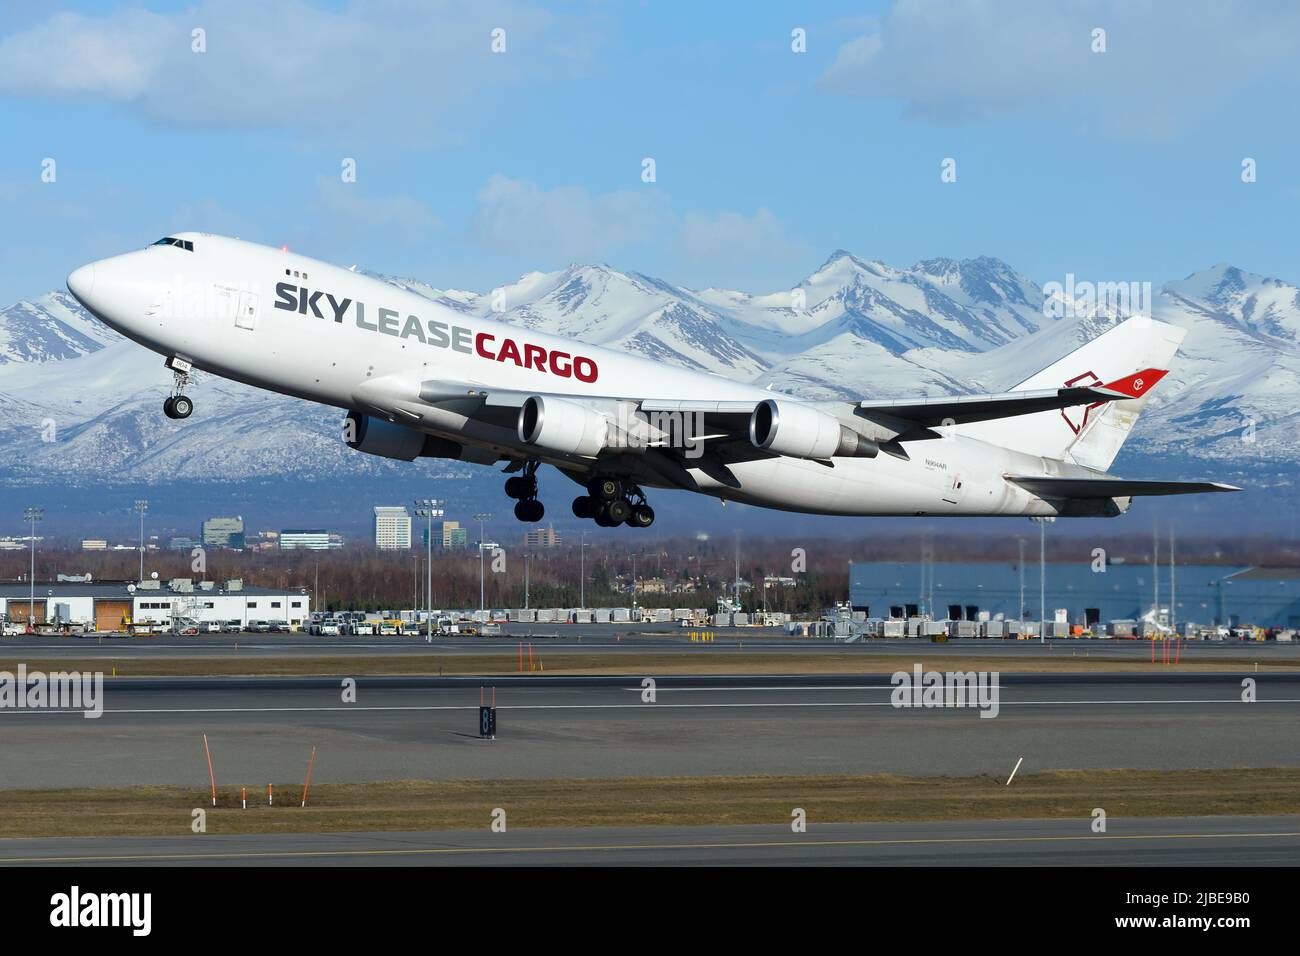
(1131, 358)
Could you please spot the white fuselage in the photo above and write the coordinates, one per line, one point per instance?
(295, 325)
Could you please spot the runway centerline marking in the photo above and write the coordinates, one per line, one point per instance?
(615, 847)
(755, 705)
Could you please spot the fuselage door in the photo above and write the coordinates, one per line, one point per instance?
(246, 316)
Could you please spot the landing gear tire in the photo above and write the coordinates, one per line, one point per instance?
(617, 511)
(530, 511)
(584, 506)
(168, 410)
(181, 407)
(605, 489)
(521, 487)
(643, 516)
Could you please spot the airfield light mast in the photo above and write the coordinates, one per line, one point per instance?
(32, 515)
(429, 508)
(482, 589)
(141, 506)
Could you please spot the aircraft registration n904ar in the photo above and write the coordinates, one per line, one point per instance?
(418, 378)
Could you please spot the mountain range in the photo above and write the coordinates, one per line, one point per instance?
(80, 406)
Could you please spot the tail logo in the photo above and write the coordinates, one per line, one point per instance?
(1086, 380)
(1134, 386)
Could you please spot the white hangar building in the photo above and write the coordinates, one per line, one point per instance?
(104, 604)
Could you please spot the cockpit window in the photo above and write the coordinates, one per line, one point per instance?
(178, 243)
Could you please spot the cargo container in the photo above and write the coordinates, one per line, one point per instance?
(994, 629)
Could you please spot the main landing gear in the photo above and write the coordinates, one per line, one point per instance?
(178, 405)
(523, 488)
(611, 502)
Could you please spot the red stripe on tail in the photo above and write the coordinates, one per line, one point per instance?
(1139, 383)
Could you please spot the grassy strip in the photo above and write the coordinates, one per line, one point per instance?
(677, 801)
(657, 663)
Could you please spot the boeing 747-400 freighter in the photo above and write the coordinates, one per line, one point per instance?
(417, 378)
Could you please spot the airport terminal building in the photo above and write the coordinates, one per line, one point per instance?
(104, 606)
(1202, 594)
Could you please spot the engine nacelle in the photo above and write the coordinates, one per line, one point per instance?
(374, 436)
(801, 431)
(557, 425)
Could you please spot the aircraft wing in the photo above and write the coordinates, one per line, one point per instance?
(1112, 487)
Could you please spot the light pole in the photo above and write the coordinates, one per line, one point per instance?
(1042, 577)
(1020, 611)
(429, 508)
(141, 506)
(33, 515)
(582, 572)
(482, 591)
(527, 561)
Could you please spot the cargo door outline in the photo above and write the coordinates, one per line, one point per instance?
(956, 488)
(246, 314)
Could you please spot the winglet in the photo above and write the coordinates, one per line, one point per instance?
(1139, 383)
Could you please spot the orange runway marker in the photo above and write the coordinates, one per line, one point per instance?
(211, 776)
(307, 784)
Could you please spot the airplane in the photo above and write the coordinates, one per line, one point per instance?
(417, 378)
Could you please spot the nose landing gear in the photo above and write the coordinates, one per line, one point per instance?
(611, 502)
(178, 406)
(523, 488)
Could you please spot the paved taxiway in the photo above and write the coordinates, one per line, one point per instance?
(261, 730)
(1183, 841)
(618, 639)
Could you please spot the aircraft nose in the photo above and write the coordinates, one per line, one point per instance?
(81, 282)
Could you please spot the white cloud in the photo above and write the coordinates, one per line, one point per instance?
(1167, 64)
(732, 237)
(566, 223)
(291, 64)
(342, 206)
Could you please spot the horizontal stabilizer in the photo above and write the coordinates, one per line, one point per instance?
(1112, 487)
(960, 410)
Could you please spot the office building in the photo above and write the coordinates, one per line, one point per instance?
(224, 533)
(392, 528)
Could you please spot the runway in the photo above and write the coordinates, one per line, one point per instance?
(604, 639)
(427, 728)
(1182, 841)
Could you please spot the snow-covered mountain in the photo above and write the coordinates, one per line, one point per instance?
(79, 403)
(53, 327)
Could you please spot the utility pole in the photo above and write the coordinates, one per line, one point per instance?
(482, 587)
(582, 571)
(33, 515)
(527, 560)
(1020, 611)
(1173, 603)
(141, 506)
(429, 508)
(1155, 572)
(1042, 578)
(737, 605)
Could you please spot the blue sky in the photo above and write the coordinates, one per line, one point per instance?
(474, 167)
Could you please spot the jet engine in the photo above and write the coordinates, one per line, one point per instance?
(374, 436)
(561, 426)
(801, 431)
